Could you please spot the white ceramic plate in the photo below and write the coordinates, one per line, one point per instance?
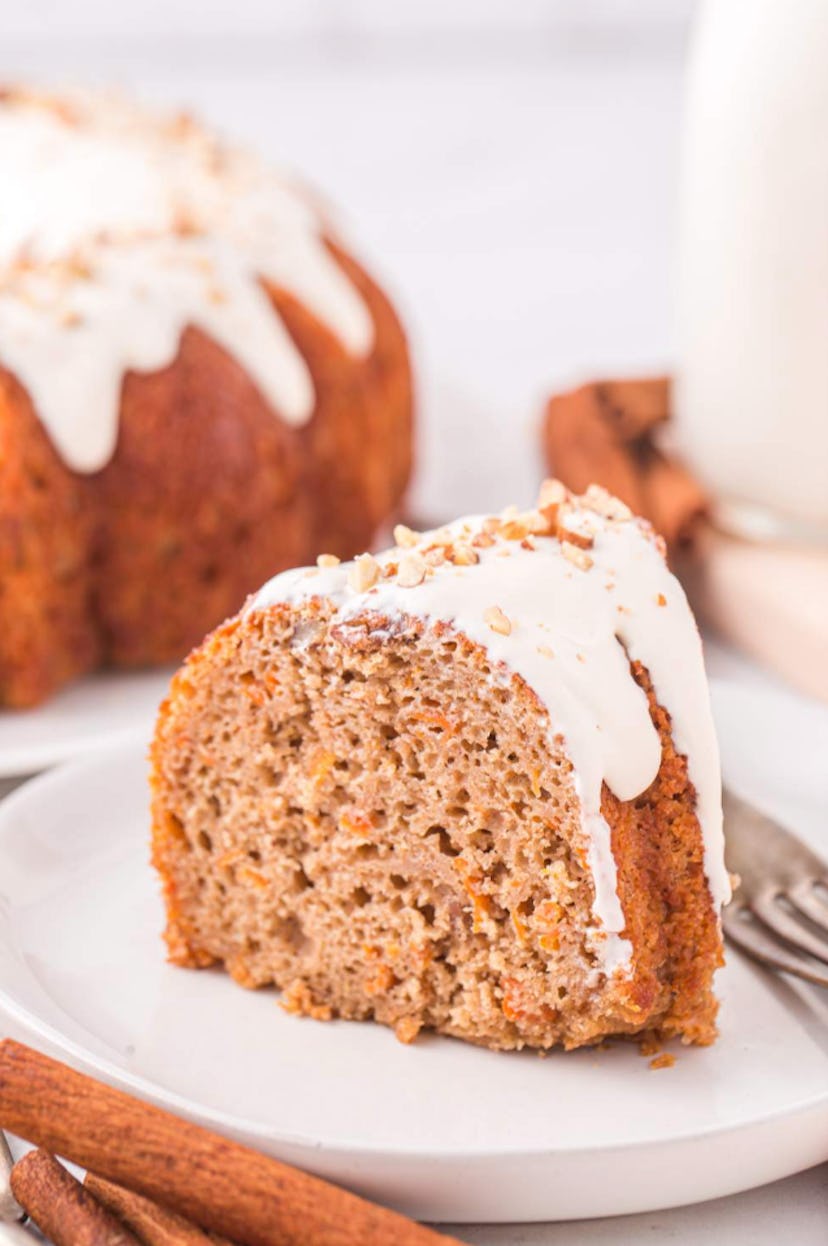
(95, 711)
(439, 1129)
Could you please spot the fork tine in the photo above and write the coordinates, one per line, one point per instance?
(804, 898)
(9, 1207)
(767, 908)
(752, 938)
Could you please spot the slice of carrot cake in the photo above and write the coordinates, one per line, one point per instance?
(471, 784)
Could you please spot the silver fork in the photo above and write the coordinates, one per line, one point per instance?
(779, 915)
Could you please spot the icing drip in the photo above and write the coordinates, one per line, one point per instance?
(568, 623)
(117, 232)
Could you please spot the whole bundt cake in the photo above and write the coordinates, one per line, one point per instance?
(198, 384)
(472, 785)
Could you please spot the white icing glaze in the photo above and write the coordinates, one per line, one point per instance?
(117, 232)
(573, 633)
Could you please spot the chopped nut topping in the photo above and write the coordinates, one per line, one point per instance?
(497, 621)
(462, 555)
(483, 541)
(528, 543)
(435, 555)
(535, 523)
(364, 573)
(552, 493)
(492, 524)
(606, 504)
(661, 600)
(584, 540)
(545, 651)
(577, 556)
(412, 571)
(405, 537)
(327, 560)
(514, 530)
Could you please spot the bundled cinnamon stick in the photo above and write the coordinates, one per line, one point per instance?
(61, 1208)
(209, 1180)
(153, 1225)
(610, 433)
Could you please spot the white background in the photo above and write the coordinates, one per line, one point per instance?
(510, 168)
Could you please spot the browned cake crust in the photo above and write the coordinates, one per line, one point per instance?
(363, 817)
(207, 494)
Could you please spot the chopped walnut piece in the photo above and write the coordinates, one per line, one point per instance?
(661, 600)
(535, 523)
(405, 537)
(327, 560)
(514, 530)
(598, 499)
(552, 493)
(528, 543)
(497, 621)
(435, 555)
(462, 555)
(584, 540)
(492, 524)
(483, 540)
(412, 571)
(578, 557)
(364, 573)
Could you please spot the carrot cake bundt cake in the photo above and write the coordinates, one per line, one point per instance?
(471, 784)
(198, 385)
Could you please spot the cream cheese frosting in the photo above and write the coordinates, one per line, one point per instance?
(568, 614)
(117, 231)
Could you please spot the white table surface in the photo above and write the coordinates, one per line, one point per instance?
(518, 192)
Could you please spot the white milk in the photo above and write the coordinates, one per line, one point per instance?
(752, 394)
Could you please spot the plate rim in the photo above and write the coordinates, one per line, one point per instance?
(128, 751)
(30, 760)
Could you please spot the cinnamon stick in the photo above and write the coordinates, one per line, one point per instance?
(61, 1208)
(218, 1184)
(611, 433)
(151, 1224)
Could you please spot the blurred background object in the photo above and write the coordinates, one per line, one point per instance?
(752, 307)
(752, 393)
(516, 170)
(511, 166)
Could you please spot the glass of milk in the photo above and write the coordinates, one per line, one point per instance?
(752, 381)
